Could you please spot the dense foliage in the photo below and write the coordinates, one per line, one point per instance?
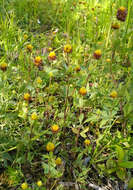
(66, 85)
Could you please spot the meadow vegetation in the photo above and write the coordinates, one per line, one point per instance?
(66, 86)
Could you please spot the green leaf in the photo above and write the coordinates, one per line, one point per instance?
(120, 153)
(81, 117)
(121, 173)
(126, 164)
(111, 164)
(112, 170)
(130, 184)
(82, 134)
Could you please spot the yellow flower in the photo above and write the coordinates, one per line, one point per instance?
(122, 9)
(77, 68)
(55, 128)
(67, 48)
(115, 26)
(24, 186)
(39, 183)
(83, 91)
(50, 147)
(108, 60)
(58, 161)
(27, 96)
(51, 74)
(39, 80)
(38, 61)
(3, 66)
(49, 49)
(52, 55)
(25, 36)
(99, 43)
(114, 94)
(34, 116)
(97, 54)
(87, 142)
(29, 47)
(121, 14)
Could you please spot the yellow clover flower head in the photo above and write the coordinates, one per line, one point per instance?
(25, 36)
(122, 8)
(108, 60)
(27, 96)
(38, 61)
(115, 26)
(87, 142)
(39, 80)
(49, 49)
(3, 66)
(54, 128)
(83, 91)
(34, 116)
(113, 94)
(97, 54)
(24, 186)
(29, 47)
(52, 56)
(39, 183)
(67, 48)
(58, 161)
(50, 147)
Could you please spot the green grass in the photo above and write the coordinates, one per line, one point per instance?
(54, 88)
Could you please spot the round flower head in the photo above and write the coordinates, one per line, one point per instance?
(121, 14)
(115, 26)
(27, 96)
(3, 66)
(97, 54)
(123, 9)
(58, 161)
(67, 48)
(49, 49)
(52, 56)
(83, 91)
(108, 60)
(39, 80)
(50, 147)
(55, 128)
(25, 36)
(39, 183)
(113, 94)
(87, 142)
(77, 68)
(29, 47)
(34, 116)
(38, 61)
(24, 186)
